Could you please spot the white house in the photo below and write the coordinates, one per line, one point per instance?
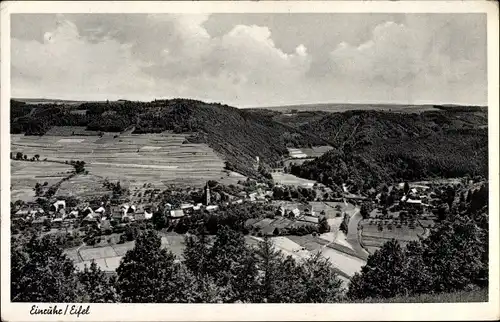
(59, 204)
(177, 213)
(212, 208)
(100, 210)
(147, 214)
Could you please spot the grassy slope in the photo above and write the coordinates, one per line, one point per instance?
(456, 297)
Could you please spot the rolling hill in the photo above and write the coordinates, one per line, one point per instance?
(239, 136)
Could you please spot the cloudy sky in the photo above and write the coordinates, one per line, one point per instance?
(252, 59)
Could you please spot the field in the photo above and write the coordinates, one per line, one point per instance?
(159, 159)
(345, 263)
(291, 180)
(372, 238)
(25, 174)
(108, 257)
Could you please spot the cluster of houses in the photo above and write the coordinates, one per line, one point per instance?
(61, 216)
(300, 212)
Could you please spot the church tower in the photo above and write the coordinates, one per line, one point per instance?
(207, 195)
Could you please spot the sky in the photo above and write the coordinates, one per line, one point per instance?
(252, 59)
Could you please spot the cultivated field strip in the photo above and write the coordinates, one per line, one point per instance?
(25, 175)
(159, 159)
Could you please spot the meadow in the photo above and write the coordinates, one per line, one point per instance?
(25, 175)
(133, 159)
(291, 180)
(372, 238)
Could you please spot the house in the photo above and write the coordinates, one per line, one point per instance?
(57, 222)
(89, 218)
(22, 212)
(100, 210)
(185, 206)
(252, 196)
(197, 207)
(294, 213)
(168, 206)
(148, 214)
(239, 201)
(59, 204)
(87, 211)
(306, 210)
(73, 214)
(212, 208)
(177, 213)
(309, 219)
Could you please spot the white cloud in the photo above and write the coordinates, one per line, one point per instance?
(65, 65)
(143, 57)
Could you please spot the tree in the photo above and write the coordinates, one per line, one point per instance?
(321, 282)
(417, 275)
(19, 156)
(406, 188)
(324, 227)
(196, 253)
(457, 248)
(96, 287)
(269, 263)
(148, 274)
(159, 220)
(37, 157)
(365, 209)
(383, 274)
(25, 157)
(41, 272)
(232, 264)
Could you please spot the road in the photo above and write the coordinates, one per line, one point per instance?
(353, 234)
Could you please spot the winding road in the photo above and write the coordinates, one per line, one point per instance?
(353, 234)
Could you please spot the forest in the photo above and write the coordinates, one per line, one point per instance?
(373, 148)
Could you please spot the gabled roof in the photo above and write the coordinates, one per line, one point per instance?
(309, 219)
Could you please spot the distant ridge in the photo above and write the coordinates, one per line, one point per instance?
(344, 107)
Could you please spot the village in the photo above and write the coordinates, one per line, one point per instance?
(350, 225)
